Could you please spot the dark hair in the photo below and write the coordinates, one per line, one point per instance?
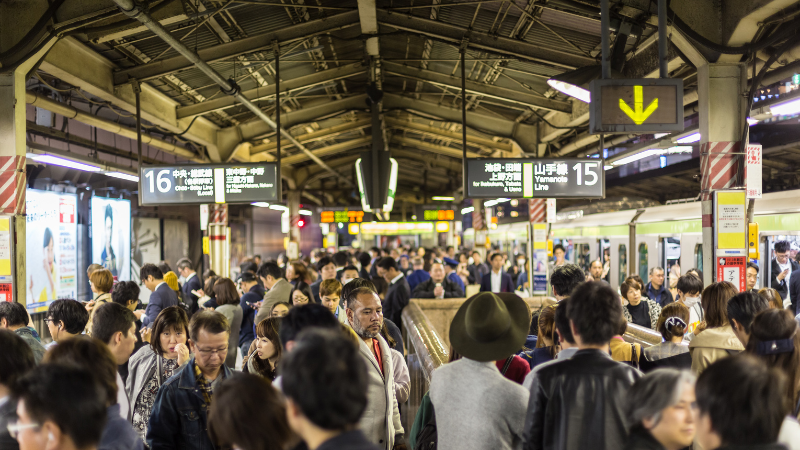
(209, 273)
(728, 384)
(494, 255)
(237, 401)
(48, 236)
(286, 304)
(268, 328)
(566, 278)
(690, 284)
(150, 269)
(752, 265)
(772, 296)
(91, 354)
(71, 312)
(185, 263)
(350, 268)
(300, 271)
(340, 259)
(380, 284)
(124, 292)
(743, 307)
(305, 316)
(697, 272)
(668, 331)
(595, 309)
(387, 263)
(170, 318)
(248, 277)
(355, 284)
(16, 359)
(109, 318)
(211, 321)
(562, 322)
(248, 266)
(225, 292)
(208, 288)
(352, 296)
(164, 267)
(109, 213)
(325, 377)
(547, 327)
(782, 246)
(324, 261)
(715, 303)
(558, 247)
(69, 397)
(304, 289)
(270, 268)
(627, 286)
(772, 325)
(102, 279)
(14, 313)
(364, 258)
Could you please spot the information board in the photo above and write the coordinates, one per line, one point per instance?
(438, 214)
(345, 216)
(208, 183)
(535, 178)
(636, 105)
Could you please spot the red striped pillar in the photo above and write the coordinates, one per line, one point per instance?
(537, 210)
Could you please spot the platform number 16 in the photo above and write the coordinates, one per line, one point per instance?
(589, 173)
(164, 184)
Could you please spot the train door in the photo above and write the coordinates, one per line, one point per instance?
(647, 255)
(691, 246)
(585, 252)
(671, 259)
(618, 248)
(604, 253)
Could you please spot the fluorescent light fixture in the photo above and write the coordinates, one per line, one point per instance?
(751, 121)
(63, 162)
(690, 139)
(571, 90)
(260, 204)
(443, 199)
(495, 202)
(608, 167)
(304, 212)
(660, 135)
(652, 152)
(786, 109)
(123, 176)
(575, 83)
(279, 208)
(468, 209)
(392, 188)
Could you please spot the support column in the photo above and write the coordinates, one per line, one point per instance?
(479, 225)
(293, 201)
(12, 172)
(721, 88)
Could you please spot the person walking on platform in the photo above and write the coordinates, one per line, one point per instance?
(579, 403)
(497, 280)
(717, 340)
(326, 392)
(418, 275)
(191, 284)
(279, 290)
(253, 293)
(179, 416)
(162, 295)
(399, 292)
(381, 419)
(486, 328)
(741, 309)
(656, 290)
(437, 286)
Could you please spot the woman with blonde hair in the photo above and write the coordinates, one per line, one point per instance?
(546, 346)
(772, 296)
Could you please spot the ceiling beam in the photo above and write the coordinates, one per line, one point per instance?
(445, 163)
(447, 134)
(303, 30)
(484, 41)
(319, 135)
(327, 150)
(264, 92)
(433, 148)
(487, 90)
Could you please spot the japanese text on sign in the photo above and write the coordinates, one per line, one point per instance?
(526, 178)
(222, 183)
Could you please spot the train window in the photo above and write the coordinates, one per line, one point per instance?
(643, 261)
(584, 257)
(623, 263)
(698, 257)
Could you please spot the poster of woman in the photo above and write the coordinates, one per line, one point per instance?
(111, 235)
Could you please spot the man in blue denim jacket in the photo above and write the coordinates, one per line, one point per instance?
(180, 413)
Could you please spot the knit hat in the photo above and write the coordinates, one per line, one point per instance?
(172, 280)
(489, 326)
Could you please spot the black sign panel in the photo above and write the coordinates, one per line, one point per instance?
(535, 178)
(208, 183)
(650, 105)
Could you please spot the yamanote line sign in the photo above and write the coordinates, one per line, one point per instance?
(535, 178)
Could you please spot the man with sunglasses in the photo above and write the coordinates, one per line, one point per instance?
(180, 413)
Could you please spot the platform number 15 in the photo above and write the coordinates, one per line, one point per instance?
(164, 184)
(589, 173)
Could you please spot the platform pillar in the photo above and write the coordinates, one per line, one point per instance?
(293, 202)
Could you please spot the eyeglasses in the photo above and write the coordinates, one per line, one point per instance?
(212, 352)
(14, 428)
(51, 320)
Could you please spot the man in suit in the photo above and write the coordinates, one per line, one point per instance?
(280, 290)
(191, 282)
(437, 286)
(380, 422)
(327, 270)
(781, 271)
(497, 280)
(162, 295)
(399, 292)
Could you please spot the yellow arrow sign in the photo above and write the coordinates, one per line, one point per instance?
(637, 115)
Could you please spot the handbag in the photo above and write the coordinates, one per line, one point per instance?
(427, 438)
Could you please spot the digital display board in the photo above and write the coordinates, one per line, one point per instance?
(111, 235)
(438, 214)
(208, 183)
(51, 248)
(345, 216)
(636, 105)
(535, 178)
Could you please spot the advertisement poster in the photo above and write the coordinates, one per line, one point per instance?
(145, 244)
(51, 248)
(176, 241)
(111, 235)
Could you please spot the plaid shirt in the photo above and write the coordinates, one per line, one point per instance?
(204, 385)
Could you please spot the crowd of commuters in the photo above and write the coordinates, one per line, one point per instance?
(308, 354)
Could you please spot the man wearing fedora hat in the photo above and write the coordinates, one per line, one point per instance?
(476, 407)
(579, 403)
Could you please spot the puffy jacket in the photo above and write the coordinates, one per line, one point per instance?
(579, 403)
(712, 344)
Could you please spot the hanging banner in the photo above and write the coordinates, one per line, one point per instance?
(111, 235)
(551, 210)
(753, 170)
(732, 270)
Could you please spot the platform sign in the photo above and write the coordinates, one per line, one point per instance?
(732, 270)
(535, 178)
(208, 183)
(730, 219)
(636, 106)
